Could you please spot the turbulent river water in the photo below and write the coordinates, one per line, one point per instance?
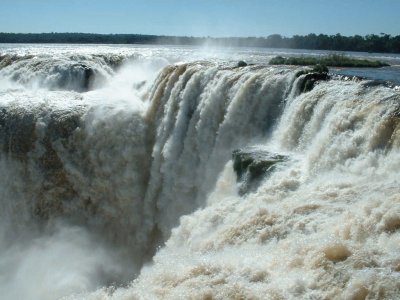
(118, 179)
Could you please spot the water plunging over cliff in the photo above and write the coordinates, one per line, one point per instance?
(139, 168)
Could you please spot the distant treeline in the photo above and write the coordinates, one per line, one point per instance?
(369, 43)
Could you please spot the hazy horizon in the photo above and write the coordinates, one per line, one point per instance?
(223, 18)
(190, 36)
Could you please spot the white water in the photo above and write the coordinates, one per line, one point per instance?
(87, 202)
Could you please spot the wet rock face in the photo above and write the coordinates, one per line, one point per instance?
(252, 165)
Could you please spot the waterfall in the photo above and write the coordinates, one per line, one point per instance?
(146, 168)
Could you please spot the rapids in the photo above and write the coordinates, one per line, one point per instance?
(118, 183)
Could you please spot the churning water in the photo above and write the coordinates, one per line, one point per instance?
(117, 180)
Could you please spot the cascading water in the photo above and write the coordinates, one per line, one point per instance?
(199, 114)
(94, 183)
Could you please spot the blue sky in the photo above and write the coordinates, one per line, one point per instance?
(202, 17)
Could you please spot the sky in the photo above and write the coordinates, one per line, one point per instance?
(214, 18)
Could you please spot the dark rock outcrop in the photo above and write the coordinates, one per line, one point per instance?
(241, 63)
(252, 164)
(311, 79)
(312, 76)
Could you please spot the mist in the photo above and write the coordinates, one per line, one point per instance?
(49, 248)
(56, 263)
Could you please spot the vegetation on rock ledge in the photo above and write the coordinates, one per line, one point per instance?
(334, 60)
